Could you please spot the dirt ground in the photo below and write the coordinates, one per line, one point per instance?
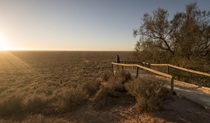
(122, 110)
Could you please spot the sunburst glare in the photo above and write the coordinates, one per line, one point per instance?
(3, 44)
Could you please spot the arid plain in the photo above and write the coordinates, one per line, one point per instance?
(61, 87)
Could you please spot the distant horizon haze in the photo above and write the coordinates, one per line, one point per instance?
(72, 50)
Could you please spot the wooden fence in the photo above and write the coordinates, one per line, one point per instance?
(147, 69)
(146, 66)
(181, 68)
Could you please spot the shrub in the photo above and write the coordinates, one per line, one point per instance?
(10, 106)
(125, 76)
(106, 75)
(117, 82)
(148, 93)
(101, 97)
(35, 103)
(68, 100)
(91, 87)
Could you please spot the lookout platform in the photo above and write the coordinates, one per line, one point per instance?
(197, 94)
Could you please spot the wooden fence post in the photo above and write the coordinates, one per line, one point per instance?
(132, 63)
(172, 85)
(168, 69)
(122, 68)
(137, 72)
(148, 65)
(112, 68)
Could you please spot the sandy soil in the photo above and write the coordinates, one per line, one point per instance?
(122, 110)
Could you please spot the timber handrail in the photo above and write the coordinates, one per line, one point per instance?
(159, 65)
(144, 68)
(148, 69)
(183, 69)
(189, 70)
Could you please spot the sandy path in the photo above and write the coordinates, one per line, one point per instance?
(121, 110)
(197, 94)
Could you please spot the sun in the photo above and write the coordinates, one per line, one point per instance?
(3, 44)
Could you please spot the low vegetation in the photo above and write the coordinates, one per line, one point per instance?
(149, 94)
(38, 118)
(52, 87)
(50, 83)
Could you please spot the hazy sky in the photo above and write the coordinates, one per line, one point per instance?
(78, 24)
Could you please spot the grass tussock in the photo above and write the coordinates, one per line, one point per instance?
(149, 94)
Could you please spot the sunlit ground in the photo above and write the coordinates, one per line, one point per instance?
(12, 64)
(8, 58)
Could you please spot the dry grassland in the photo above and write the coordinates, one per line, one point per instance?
(69, 87)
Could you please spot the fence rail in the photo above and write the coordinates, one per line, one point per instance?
(146, 66)
(147, 69)
(183, 69)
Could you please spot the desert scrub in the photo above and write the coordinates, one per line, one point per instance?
(11, 105)
(106, 75)
(148, 93)
(125, 76)
(117, 82)
(114, 84)
(101, 98)
(36, 103)
(68, 99)
(90, 87)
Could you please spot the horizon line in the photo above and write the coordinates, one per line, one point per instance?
(73, 50)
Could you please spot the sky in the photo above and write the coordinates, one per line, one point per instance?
(86, 25)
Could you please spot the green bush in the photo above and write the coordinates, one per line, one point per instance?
(148, 93)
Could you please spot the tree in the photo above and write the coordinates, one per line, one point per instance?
(185, 36)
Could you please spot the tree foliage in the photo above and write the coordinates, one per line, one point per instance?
(184, 36)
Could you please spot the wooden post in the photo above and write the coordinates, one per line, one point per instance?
(168, 69)
(112, 68)
(137, 72)
(132, 63)
(122, 68)
(148, 65)
(172, 85)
